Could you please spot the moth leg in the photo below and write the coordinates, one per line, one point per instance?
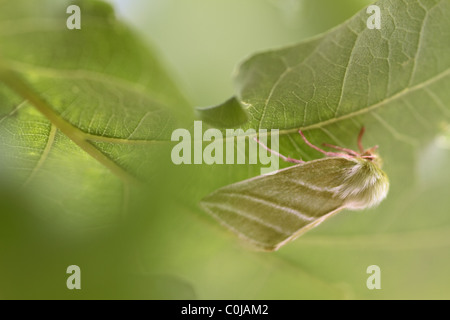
(329, 154)
(287, 159)
(349, 151)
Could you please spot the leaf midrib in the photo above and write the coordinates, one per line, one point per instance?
(83, 74)
(321, 124)
(367, 109)
(20, 87)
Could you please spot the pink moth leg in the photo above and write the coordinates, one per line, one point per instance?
(349, 151)
(287, 159)
(329, 154)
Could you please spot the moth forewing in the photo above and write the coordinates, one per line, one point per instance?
(305, 229)
(269, 211)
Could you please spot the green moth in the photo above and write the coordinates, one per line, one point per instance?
(271, 210)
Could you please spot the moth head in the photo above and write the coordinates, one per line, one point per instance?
(367, 154)
(370, 154)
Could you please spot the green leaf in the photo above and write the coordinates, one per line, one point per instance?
(354, 74)
(394, 81)
(228, 115)
(391, 80)
(85, 115)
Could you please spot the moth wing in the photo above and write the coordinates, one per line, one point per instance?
(271, 210)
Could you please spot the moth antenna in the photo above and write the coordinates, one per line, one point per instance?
(329, 154)
(349, 151)
(373, 149)
(360, 135)
(287, 159)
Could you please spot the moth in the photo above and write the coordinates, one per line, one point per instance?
(272, 210)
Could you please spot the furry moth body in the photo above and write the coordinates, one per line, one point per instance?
(271, 210)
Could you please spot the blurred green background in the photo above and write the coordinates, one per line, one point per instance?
(167, 248)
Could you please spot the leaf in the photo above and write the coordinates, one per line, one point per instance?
(85, 115)
(353, 73)
(228, 115)
(407, 235)
(394, 81)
